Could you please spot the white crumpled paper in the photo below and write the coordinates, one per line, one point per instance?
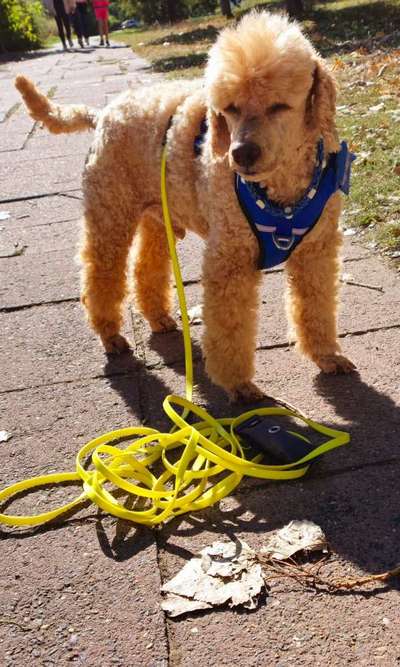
(295, 536)
(225, 572)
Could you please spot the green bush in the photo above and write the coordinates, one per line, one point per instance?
(201, 7)
(21, 23)
(163, 11)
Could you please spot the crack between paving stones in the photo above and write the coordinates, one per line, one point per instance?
(48, 224)
(159, 554)
(197, 281)
(43, 195)
(11, 111)
(32, 131)
(89, 378)
(344, 334)
(28, 306)
(30, 134)
(69, 196)
(143, 396)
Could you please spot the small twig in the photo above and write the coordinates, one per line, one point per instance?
(382, 69)
(312, 579)
(354, 583)
(377, 288)
(4, 621)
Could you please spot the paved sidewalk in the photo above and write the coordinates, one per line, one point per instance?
(87, 591)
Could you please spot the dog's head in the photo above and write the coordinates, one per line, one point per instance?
(269, 94)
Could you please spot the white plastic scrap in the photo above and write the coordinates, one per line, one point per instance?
(196, 314)
(225, 572)
(4, 436)
(296, 536)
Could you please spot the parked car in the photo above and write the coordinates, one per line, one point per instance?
(130, 23)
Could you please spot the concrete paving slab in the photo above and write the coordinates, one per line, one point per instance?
(101, 574)
(49, 424)
(359, 513)
(95, 98)
(92, 592)
(43, 145)
(18, 123)
(191, 249)
(39, 240)
(36, 346)
(41, 212)
(82, 78)
(42, 151)
(12, 141)
(52, 277)
(365, 404)
(10, 99)
(60, 174)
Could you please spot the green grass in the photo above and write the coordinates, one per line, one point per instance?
(369, 116)
(360, 38)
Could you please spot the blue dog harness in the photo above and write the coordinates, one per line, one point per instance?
(279, 230)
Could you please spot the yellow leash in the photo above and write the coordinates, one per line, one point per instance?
(202, 462)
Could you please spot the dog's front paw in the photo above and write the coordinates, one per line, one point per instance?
(163, 324)
(336, 364)
(246, 393)
(116, 344)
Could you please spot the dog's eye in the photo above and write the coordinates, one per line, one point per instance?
(275, 108)
(231, 109)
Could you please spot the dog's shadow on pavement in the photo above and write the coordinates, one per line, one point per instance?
(353, 494)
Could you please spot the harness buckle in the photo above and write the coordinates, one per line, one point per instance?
(283, 242)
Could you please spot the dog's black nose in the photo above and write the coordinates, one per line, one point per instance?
(246, 154)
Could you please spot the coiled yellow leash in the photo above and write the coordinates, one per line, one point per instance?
(193, 456)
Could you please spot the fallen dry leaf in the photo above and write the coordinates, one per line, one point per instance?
(294, 537)
(225, 572)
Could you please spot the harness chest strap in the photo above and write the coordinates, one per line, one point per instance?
(280, 230)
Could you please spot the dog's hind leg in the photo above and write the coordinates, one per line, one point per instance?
(104, 256)
(153, 290)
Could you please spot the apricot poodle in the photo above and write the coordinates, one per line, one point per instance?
(268, 99)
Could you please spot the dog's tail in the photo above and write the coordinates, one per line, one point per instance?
(57, 118)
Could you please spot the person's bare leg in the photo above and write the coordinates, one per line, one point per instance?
(106, 31)
(101, 33)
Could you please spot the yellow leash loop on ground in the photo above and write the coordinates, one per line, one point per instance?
(192, 455)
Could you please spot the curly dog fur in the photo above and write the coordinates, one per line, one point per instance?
(268, 98)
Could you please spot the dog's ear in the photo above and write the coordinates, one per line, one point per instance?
(321, 106)
(219, 133)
